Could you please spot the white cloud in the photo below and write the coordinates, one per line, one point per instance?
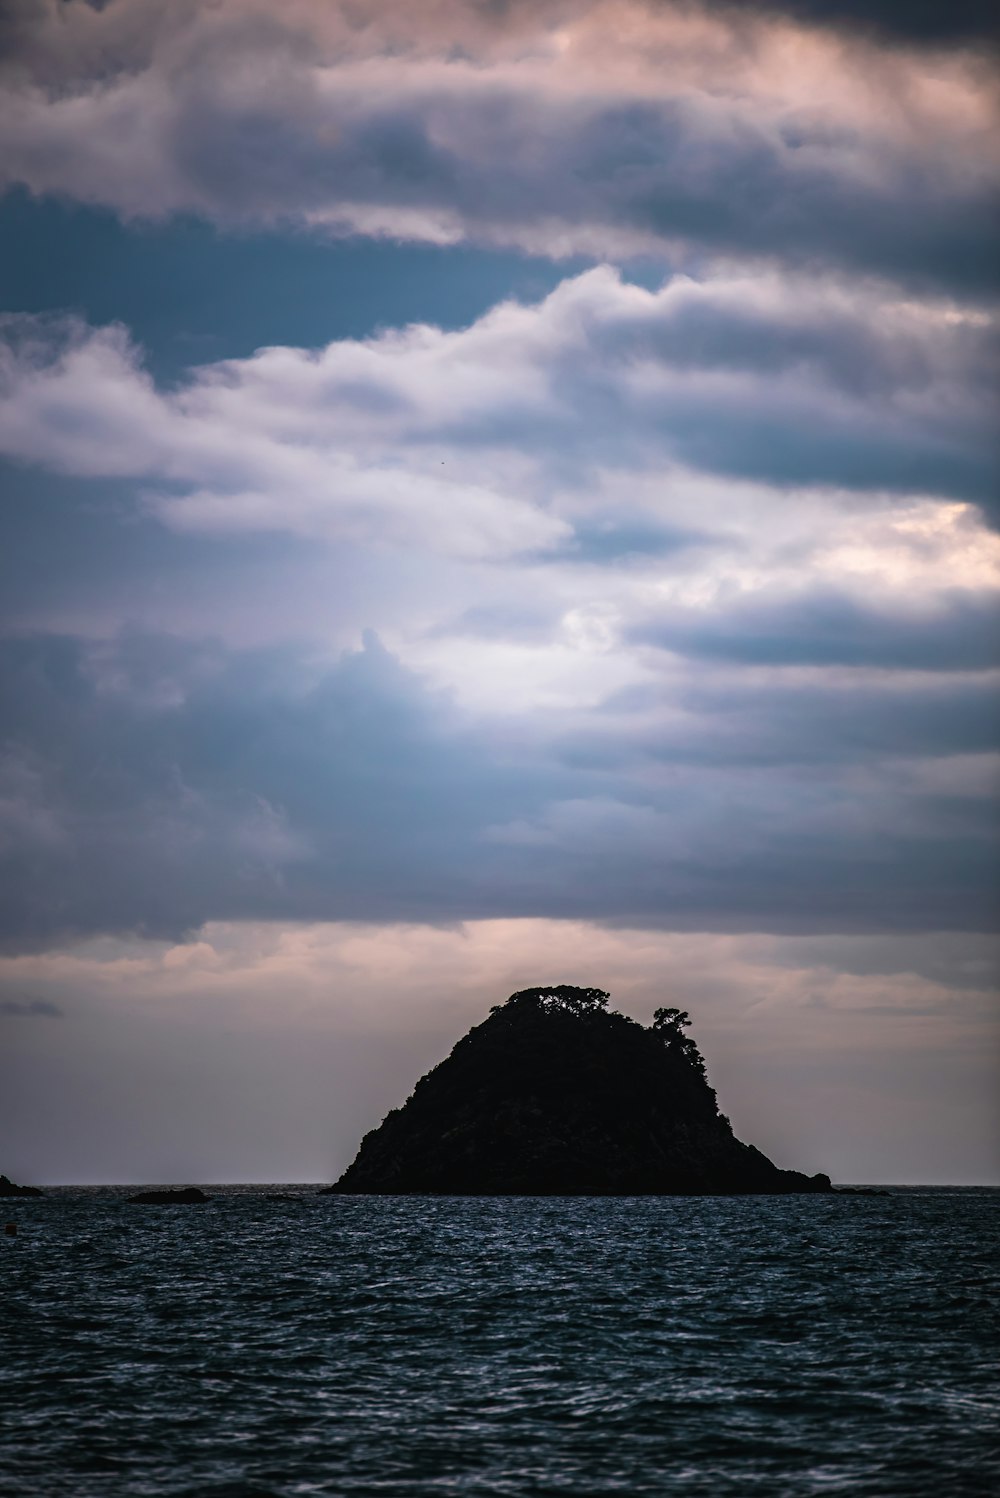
(598, 405)
(556, 440)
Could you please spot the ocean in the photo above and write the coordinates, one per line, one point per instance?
(315, 1345)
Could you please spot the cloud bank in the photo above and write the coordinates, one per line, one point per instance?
(488, 441)
(602, 127)
(204, 785)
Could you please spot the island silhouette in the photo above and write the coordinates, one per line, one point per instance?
(556, 1095)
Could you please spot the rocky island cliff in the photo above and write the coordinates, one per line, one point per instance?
(553, 1095)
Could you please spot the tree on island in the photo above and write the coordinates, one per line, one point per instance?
(671, 1023)
(558, 997)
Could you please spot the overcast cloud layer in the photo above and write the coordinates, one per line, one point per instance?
(661, 602)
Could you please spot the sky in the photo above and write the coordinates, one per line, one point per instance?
(495, 493)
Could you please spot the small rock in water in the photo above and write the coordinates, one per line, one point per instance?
(10, 1228)
(182, 1197)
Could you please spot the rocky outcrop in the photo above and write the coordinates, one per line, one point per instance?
(8, 1188)
(187, 1196)
(555, 1095)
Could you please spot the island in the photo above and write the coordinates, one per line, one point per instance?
(556, 1095)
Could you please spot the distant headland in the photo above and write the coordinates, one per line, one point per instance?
(8, 1188)
(556, 1095)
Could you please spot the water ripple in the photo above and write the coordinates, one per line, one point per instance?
(257, 1348)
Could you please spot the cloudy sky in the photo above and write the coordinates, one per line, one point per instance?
(495, 493)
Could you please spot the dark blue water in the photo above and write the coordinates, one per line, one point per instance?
(413, 1346)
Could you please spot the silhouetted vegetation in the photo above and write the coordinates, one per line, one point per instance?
(561, 997)
(670, 1024)
(556, 1094)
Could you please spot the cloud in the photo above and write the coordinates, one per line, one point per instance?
(920, 22)
(799, 719)
(961, 633)
(699, 625)
(187, 784)
(612, 539)
(606, 127)
(30, 1009)
(495, 441)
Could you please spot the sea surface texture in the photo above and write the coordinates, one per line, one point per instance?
(406, 1346)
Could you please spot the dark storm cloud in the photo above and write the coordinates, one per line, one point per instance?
(961, 633)
(648, 128)
(153, 785)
